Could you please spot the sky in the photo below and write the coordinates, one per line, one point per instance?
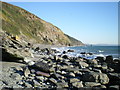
(89, 22)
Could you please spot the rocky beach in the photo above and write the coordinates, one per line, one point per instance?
(40, 66)
(30, 57)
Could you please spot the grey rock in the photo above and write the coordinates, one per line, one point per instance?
(91, 84)
(71, 74)
(62, 85)
(77, 84)
(53, 81)
(83, 64)
(72, 80)
(36, 83)
(26, 72)
(27, 84)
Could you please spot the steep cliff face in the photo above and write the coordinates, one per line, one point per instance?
(30, 28)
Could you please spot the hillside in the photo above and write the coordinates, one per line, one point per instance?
(22, 24)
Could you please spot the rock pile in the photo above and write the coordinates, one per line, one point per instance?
(48, 70)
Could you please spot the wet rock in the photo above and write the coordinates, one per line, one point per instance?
(91, 84)
(77, 84)
(109, 59)
(70, 50)
(101, 59)
(65, 56)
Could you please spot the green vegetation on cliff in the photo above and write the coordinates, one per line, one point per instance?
(30, 28)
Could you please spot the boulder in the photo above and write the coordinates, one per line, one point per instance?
(109, 59)
(44, 67)
(95, 77)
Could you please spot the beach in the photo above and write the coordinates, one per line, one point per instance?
(56, 67)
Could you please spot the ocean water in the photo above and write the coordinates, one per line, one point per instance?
(96, 50)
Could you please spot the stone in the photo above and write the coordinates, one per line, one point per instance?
(71, 74)
(70, 50)
(41, 66)
(27, 84)
(72, 80)
(42, 73)
(36, 83)
(101, 59)
(26, 72)
(83, 64)
(41, 78)
(77, 84)
(91, 84)
(65, 56)
(114, 78)
(109, 59)
(62, 85)
(53, 81)
(114, 87)
(95, 77)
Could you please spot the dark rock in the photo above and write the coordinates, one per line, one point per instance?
(64, 52)
(41, 66)
(114, 87)
(37, 49)
(65, 56)
(101, 59)
(109, 59)
(70, 50)
(95, 77)
(83, 53)
(114, 78)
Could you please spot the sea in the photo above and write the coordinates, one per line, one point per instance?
(96, 50)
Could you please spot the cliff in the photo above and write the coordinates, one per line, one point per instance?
(27, 27)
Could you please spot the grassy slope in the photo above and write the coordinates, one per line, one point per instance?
(18, 21)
